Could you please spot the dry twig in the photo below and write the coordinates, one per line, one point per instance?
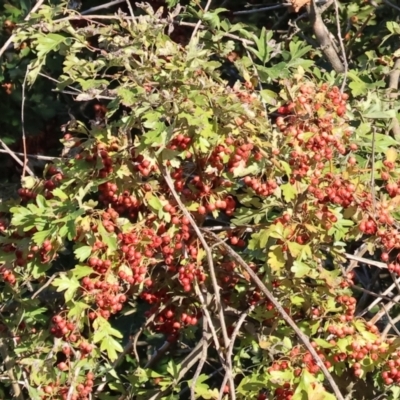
(9, 367)
(210, 262)
(283, 313)
(13, 155)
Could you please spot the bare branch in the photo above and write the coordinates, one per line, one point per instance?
(393, 94)
(203, 359)
(284, 314)
(323, 37)
(342, 49)
(210, 262)
(198, 24)
(235, 332)
(102, 6)
(9, 366)
(13, 155)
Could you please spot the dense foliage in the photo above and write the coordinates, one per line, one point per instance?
(220, 219)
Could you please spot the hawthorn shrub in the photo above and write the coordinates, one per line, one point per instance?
(193, 240)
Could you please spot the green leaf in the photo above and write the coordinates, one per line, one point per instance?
(111, 346)
(289, 192)
(41, 236)
(47, 43)
(70, 285)
(173, 369)
(57, 192)
(276, 258)
(300, 269)
(108, 238)
(83, 252)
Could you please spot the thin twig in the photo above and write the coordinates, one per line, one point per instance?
(392, 323)
(393, 94)
(385, 308)
(210, 262)
(48, 283)
(12, 154)
(257, 10)
(11, 38)
(158, 354)
(389, 3)
(9, 367)
(380, 296)
(131, 11)
(203, 359)
(34, 156)
(207, 315)
(23, 122)
(283, 313)
(342, 49)
(102, 6)
(134, 344)
(235, 332)
(366, 261)
(198, 24)
(73, 382)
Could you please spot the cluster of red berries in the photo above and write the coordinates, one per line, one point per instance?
(188, 273)
(285, 392)
(108, 298)
(180, 142)
(8, 276)
(261, 187)
(64, 329)
(336, 191)
(318, 137)
(391, 372)
(82, 390)
(122, 203)
(170, 321)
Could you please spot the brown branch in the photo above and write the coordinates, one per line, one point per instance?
(203, 359)
(9, 367)
(198, 24)
(210, 262)
(393, 94)
(102, 6)
(235, 332)
(323, 37)
(378, 264)
(34, 156)
(283, 313)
